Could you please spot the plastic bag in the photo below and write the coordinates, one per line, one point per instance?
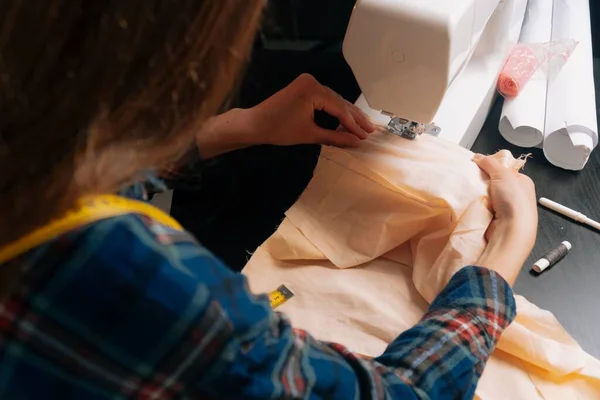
(525, 59)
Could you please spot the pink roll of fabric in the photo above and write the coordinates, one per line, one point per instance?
(517, 71)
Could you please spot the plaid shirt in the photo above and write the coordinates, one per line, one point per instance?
(127, 308)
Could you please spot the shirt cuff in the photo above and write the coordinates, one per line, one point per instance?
(484, 294)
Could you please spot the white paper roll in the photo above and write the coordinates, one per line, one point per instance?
(523, 117)
(470, 97)
(571, 121)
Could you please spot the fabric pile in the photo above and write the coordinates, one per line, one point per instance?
(377, 234)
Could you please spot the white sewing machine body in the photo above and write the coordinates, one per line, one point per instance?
(414, 47)
(407, 55)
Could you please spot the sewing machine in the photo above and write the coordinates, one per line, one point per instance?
(406, 54)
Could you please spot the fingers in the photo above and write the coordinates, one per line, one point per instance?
(489, 233)
(527, 180)
(334, 105)
(325, 99)
(358, 123)
(361, 118)
(336, 138)
(492, 166)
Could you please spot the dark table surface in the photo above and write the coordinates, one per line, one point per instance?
(570, 289)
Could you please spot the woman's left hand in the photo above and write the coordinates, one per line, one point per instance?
(287, 118)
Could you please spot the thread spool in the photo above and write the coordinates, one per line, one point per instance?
(552, 257)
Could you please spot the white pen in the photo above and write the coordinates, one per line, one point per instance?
(567, 212)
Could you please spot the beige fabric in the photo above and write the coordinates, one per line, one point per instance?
(374, 238)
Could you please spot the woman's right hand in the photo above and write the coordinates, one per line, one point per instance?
(511, 235)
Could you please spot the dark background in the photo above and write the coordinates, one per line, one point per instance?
(242, 196)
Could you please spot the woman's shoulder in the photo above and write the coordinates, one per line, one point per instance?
(112, 298)
(128, 250)
(127, 237)
(123, 241)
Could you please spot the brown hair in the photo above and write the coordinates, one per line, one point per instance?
(92, 93)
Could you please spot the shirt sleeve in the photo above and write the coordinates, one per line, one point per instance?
(143, 311)
(442, 357)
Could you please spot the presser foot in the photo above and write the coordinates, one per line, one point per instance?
(410, 129)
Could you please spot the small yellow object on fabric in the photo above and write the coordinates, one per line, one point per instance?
(375, 237)
(88, 210)
(279, 296)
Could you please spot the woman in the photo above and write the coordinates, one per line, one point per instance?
(104, 297)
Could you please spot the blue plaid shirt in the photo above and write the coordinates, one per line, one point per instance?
(127, 308)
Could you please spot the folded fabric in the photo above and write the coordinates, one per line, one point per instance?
(377, 234)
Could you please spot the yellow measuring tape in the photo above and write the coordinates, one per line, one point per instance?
(88, 210)
(95, 208)
(279, 296)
